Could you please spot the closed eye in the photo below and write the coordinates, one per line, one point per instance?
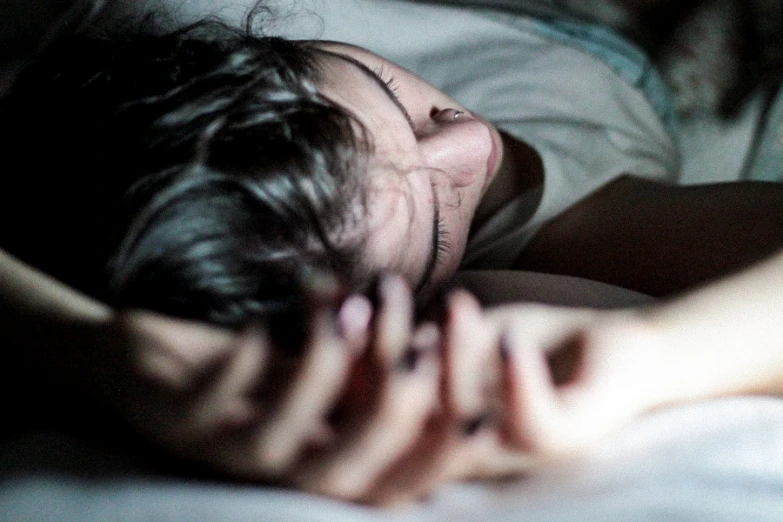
(440, 243)
(388, 79)
(383, 84)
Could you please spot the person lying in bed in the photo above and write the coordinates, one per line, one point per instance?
(191, 232)
(567, 378)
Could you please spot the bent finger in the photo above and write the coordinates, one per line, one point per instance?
(470, 357)
(532, 414)
(301, 412)
(405, 402)
(223, 404)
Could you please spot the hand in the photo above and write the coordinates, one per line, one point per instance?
(554, 380)
(235, 402)
(572, 376)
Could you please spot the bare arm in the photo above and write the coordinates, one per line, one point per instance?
(660, 239)
(575, 375)
(231, 400)
(44, 324)
(726, 338)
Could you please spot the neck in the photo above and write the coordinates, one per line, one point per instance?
(520, 170)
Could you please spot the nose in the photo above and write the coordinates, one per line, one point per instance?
(448, 115)
(457, 144)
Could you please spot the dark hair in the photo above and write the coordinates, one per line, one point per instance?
(197, 173)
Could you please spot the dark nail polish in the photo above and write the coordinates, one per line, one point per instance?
(410, 359)
(505, 350)
(473, 425)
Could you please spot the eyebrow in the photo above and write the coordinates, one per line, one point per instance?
(380, 82)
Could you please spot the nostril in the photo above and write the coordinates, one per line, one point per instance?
(434, 112)
(446, 115)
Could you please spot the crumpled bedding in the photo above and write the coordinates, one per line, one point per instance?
(720, 460)
(717, 461)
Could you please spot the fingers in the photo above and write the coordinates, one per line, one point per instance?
(420, 469)
(532, 413)
(395, 446)
(561, 398)
(407, 397)
(301, 412)
(398, 391)
(470, 357)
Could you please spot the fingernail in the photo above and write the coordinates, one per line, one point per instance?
(410, 359)
(505, 349)
(425, 341)
(354, 316)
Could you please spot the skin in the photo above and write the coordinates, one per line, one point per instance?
(651, 237)
(574, 376)
(423, 158)
(204, 393)
(368, 412)
(232, 400)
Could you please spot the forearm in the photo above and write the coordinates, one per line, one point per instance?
(26, 292)
(47, 328)
(726, 338)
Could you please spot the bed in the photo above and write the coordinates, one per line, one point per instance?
(719, 461)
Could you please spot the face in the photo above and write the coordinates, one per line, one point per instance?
(431, 163)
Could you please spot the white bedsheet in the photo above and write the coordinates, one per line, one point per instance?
(714, 461)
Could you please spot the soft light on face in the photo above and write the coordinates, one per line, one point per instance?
(432, 162)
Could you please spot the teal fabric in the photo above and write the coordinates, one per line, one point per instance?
(552, 19)
(628, 61)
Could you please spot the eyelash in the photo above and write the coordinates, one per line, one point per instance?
(443, 245)
(387, 78)
(391, 84)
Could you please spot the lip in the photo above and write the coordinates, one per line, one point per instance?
(494, 154)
